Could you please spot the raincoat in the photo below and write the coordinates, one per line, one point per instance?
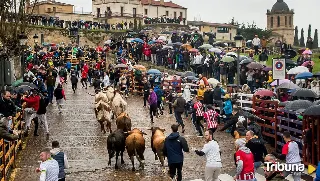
(152, 98)
(186, 94)
(227, 107)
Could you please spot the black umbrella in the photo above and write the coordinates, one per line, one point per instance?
(232, 85)
(179, 73)
(283, 104)
(192, 78)
(312, 111)
(178, 44)
(290, 62)
(249, 115)
(290, 53)
(298, 104)
(305, 93)
(28, 84)
(188, 73)
(315, 103)
(23, 88)
(246, 61)
(288, 85)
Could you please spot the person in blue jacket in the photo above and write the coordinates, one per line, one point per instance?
(159, 93)
(318, 173)
(173, 148)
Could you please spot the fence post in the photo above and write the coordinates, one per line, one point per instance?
(4, 160)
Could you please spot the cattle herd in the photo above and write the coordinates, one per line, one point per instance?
(110, 105)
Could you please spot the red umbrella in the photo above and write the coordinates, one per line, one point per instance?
(52, 44)
(264, 92)
(159, 41)
(99, 49)
(193, 50)
(306, 63)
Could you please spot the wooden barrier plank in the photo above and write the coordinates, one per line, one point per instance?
(9, 164)
(267, 118)
(290, 129)
(268, 134)
(265, 109)
(267, 126)
(9, 151)
(1, 167)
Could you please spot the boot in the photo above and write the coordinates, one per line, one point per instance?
(183, 130)
(36, 126)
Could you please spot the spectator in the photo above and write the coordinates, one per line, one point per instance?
(74, 81)
(60, 95)
(152, 100)
(272, 175)
(173, 146)
(51, 81)
(257, 148)
(7, 107)
(4, 132)
(212, 151)
(49, 168)
(41, 113)
(179, 106)
(61, 158)
(256, 44)
(244, 161)
(33, 103)
(198, 107)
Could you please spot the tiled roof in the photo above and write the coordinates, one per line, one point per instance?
(166, 4)
(53, 2)
(201, 23)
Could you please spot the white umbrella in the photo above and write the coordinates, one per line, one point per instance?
(232, 54)
(298, 70)
(107, 42)
(162, 38)
(215, 50)
(194, 28)
(213, 81)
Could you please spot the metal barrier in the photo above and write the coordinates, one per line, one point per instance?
(9, 150)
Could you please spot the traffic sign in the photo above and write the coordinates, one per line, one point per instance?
(279, 69)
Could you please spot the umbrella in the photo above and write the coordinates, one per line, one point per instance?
(312, 111)
(306, 63)
(298, 104)
(138, 40)
(166, 32)
(232, 54)
(213, 81)
(307, 52)
(215, 50)
(121, 66)
(179, 73)
(23, 88)
(159, 41)
(255, 65)
(167, 47)
(274, 83)
(151, 42)
(187, 46)
(288, 85)
(283, 104)
(304, 75)
(154, 71)
(193, 50)
(297, 70)
(317, 74)
(108, 42)
(316, 103)
(267, 69)
(178, 43)
(264, 92)
(290, 62)
(290, 53)
(28, 84)
(246, 61)
(242, 57)
(140, 67)
(232, 85)
(192, 78)
(227, 59)
(308, 93)
(188, 73)
(162, 38)
(170, 44)
(205, 46)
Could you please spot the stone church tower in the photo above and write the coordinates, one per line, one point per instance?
(280, 21)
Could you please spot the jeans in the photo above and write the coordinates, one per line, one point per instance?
(199, 125)
(257, 165)
(153, 111)
(50, 92)
(153, 58)
(145, 98)
(176, 168)
(179, 118)
(295, 174)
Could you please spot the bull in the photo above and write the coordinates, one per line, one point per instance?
(123, 122)
(135, 145)
(103, 114)
(116, 145)
(157, 143)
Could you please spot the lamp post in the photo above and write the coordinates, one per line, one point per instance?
(23, 41)
(238, 39)
(35, 48)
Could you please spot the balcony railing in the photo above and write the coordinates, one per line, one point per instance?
(110, 15)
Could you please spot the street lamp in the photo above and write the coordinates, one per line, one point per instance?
(238, 39)
(23, 41)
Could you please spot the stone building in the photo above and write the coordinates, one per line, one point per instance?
(280, 21)
(117, 11)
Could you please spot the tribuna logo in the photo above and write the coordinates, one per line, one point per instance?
(280, 167)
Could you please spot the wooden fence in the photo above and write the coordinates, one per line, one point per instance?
(9, 150)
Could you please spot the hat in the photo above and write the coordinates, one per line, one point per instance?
(241, 142)
(227, 96)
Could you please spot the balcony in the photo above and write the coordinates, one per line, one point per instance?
(127, 15)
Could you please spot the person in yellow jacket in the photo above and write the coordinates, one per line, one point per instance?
(200, 93)
(270, 79)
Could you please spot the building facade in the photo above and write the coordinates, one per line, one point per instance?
(280, 21)
(118, 11)
(223, 32)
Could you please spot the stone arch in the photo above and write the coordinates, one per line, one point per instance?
(278, 21)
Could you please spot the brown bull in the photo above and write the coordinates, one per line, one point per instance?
(103, 114)
(135, 145)
(123, 122)
(157, 143)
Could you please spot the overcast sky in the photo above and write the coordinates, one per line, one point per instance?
(222, 11)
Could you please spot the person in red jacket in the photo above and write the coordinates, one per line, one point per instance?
(33, 102)
(84, 76)
(244, 161)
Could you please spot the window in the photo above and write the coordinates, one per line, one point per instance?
(271, 22)
(222, 30)
(121, 11)
(278, 21)
(290, 21)
(167, 13)
(98, 12)
(145, 11)
(49, 10)
(54, 9)
(108, 9)
(181, 14)
(175, 14)
(134, 12)
(285, 21)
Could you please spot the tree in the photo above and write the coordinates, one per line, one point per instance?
(309, 32)
(249, 31)
(302, 44)
(315, 39)
(135, 24)
(140, 25)
(296, 38)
